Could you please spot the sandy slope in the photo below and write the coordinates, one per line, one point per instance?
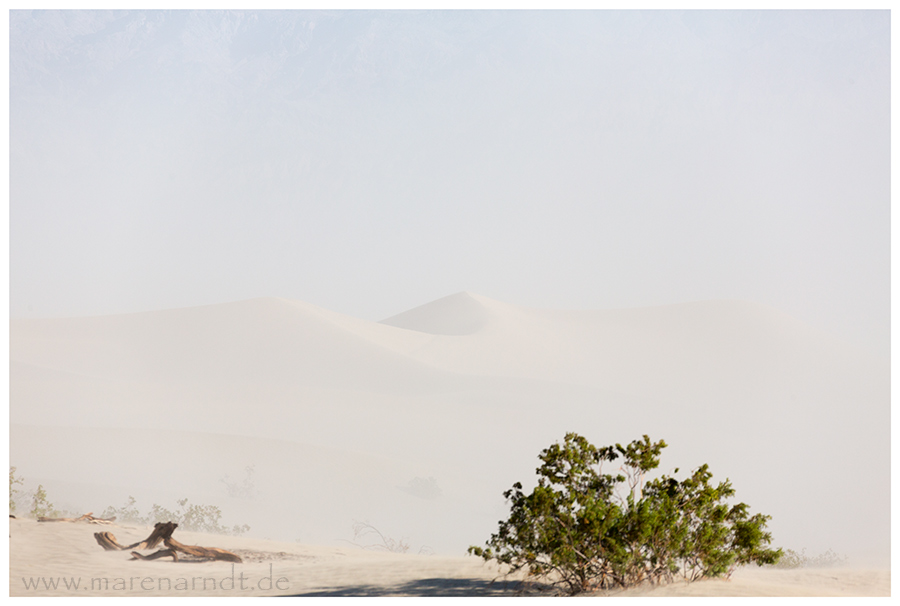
(43, 557)
(341, 418)
(43, 551)
(767, 582)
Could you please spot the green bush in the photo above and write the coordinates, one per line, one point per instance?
(581, 529)
(40, 506)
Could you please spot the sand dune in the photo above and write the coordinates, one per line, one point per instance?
(340, 416)
(63, 559)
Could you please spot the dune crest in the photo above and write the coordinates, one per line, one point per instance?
(456, 315)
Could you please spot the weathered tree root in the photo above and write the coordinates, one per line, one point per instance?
(212, 553)
(162, 533)
(156, 555)
(88, 517)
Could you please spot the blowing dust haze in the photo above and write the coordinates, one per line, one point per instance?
(326, 267)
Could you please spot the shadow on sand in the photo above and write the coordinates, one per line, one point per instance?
(425, 588)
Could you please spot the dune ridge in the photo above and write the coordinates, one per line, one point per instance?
(465, 390)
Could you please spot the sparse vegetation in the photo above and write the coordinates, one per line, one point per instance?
(791, 559)
(243, 490)
(35, 501)
(13, 491)
(364, 529)
(198, 518)
(384, 543)
(581, 529)
(41, 506)
(127, 514)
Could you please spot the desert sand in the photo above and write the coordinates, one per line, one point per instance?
(63, 559)
(299, 421)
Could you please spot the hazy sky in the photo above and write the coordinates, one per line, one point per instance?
(369, 162)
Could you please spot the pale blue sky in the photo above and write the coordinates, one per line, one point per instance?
(369, 162)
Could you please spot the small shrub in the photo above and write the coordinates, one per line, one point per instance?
(580, 529)
(383, 543)
(13, 491)
(197, 518)
(35, 500)
(244, 490)
(127, 514)
(41, 506)
(363, 529)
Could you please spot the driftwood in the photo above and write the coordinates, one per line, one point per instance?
(211, 553)
(108, 541)
(156, 555)
(162, 533)
(88, 517)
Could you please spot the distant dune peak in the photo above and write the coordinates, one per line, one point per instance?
(463, 313)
